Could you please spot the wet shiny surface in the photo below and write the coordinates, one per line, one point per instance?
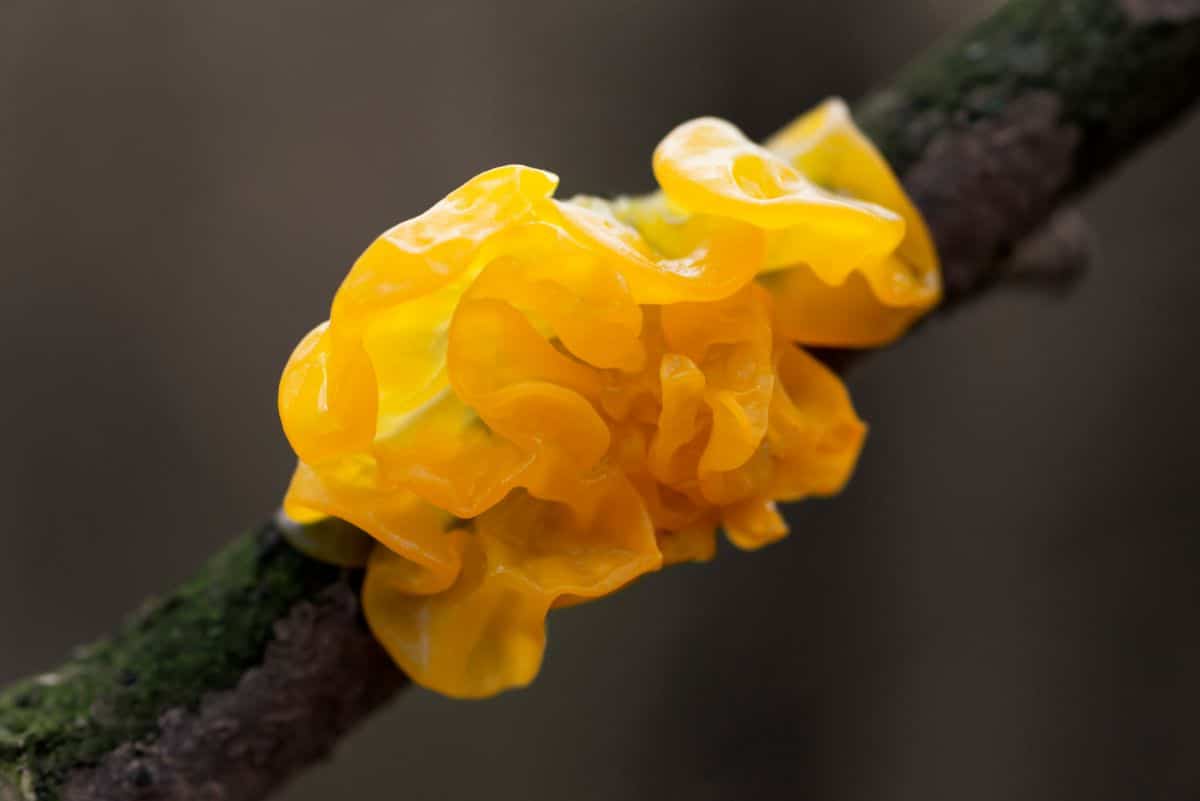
(1000, 605)
(529, 404)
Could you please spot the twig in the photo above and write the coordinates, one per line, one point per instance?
(233, 682)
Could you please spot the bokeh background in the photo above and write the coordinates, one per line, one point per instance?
(1004, 604)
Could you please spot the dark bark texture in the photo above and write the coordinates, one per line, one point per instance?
(219, 691)
(235, 681)
(994, 130)
(321, 672)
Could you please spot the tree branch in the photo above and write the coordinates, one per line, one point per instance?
(994, 130)
(230, 684)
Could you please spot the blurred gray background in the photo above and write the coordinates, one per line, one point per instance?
(1003, 605)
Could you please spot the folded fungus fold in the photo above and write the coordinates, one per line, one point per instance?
(528, 403)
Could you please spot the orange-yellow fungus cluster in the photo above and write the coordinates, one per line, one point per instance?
(528, 403)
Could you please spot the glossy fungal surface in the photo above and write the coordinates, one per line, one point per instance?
(527, 403)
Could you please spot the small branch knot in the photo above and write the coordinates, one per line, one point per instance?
(1055, 256)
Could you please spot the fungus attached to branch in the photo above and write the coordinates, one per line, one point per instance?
(528, 403)
(1113, 74)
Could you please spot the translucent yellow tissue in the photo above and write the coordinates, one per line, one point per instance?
(527, 403)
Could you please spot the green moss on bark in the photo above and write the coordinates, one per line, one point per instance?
(200, 638)
(1117, 79)
(1113, 79)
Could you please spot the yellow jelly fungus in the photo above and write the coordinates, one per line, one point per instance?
(527, 403)
(849, 261)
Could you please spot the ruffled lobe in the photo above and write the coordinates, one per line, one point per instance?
(528, 394)
(692, 258)
(730, 341)
(390, 316)
(415, 257)
(708, 166)
(486, 633)
(527, 403)
(885, 295)
(423, 535)
(848, 257)
(575, 291)
(814, 436)
(318, 428)
(828, 147)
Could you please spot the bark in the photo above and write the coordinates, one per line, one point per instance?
(998, 127)
(220, 690)
(235, 681)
